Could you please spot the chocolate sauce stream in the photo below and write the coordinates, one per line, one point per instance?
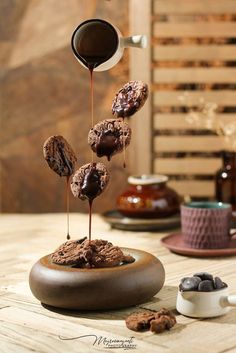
(91, 101)
(123, 141)
(68, 206)
(90, 218)
(91, 189)
(92, 157)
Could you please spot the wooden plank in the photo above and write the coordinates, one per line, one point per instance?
(193, 187)
(194, 52)
(140, 69)
(187, 166)
(194, 7)
(27, 326)
(195, 75)
(194, 29)
(171, 98)
(188, 143)
(174, 121)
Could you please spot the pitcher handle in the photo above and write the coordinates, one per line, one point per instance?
(137, 41)
(232, 234)
(230, 300)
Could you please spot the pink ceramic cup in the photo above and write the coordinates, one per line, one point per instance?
(206, 225)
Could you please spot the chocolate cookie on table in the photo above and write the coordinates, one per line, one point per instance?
(59, 155)
(156, 321)
(89, 181)
(140, 321)
(130, 99)
(109, 137)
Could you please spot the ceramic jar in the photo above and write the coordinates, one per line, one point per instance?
(148, 196)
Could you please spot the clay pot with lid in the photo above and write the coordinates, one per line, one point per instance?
(148, 196)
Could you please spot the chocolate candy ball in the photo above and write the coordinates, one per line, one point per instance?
(206, 286)
(204, 276)
(190, 283)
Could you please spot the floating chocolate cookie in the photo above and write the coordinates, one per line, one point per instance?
(109, 137)
(59, 155)
(90, 254)
(89, 181)
(130, 98)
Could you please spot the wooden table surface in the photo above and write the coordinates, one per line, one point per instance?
(26, 326)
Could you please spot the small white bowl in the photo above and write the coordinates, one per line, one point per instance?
(205, 304)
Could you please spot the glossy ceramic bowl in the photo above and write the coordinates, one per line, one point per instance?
(100, 288)
(148, 196)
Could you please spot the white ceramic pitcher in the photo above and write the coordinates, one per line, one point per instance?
(137, 41)
(205, 304)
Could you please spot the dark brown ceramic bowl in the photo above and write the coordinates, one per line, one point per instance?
(148, 197)
(100, 288)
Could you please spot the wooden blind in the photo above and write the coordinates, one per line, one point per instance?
(194, 50)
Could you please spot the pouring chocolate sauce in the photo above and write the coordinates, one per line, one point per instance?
(91, 184)
(94, 42)
(91, 189)
(99, 46)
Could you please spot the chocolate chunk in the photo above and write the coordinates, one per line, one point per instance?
(90, 254)
(155, 321)
(140, 321)
(130, 98)
(59, 155)
(206, 286)
(190, 283)
(162, 323)
(89, 181)
(183, 279)
(109, 137)
(219, 284)
(204, 276)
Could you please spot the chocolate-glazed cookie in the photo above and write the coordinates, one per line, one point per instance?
(109, 137)
(89, 181)
(130, 98)
(59, 155)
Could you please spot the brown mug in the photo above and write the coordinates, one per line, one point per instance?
(206, 225)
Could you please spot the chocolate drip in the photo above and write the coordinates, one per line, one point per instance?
(107, 144)
(90, 218)
(91, 184)
(68, 207)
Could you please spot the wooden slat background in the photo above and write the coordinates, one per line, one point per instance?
(193, 49)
